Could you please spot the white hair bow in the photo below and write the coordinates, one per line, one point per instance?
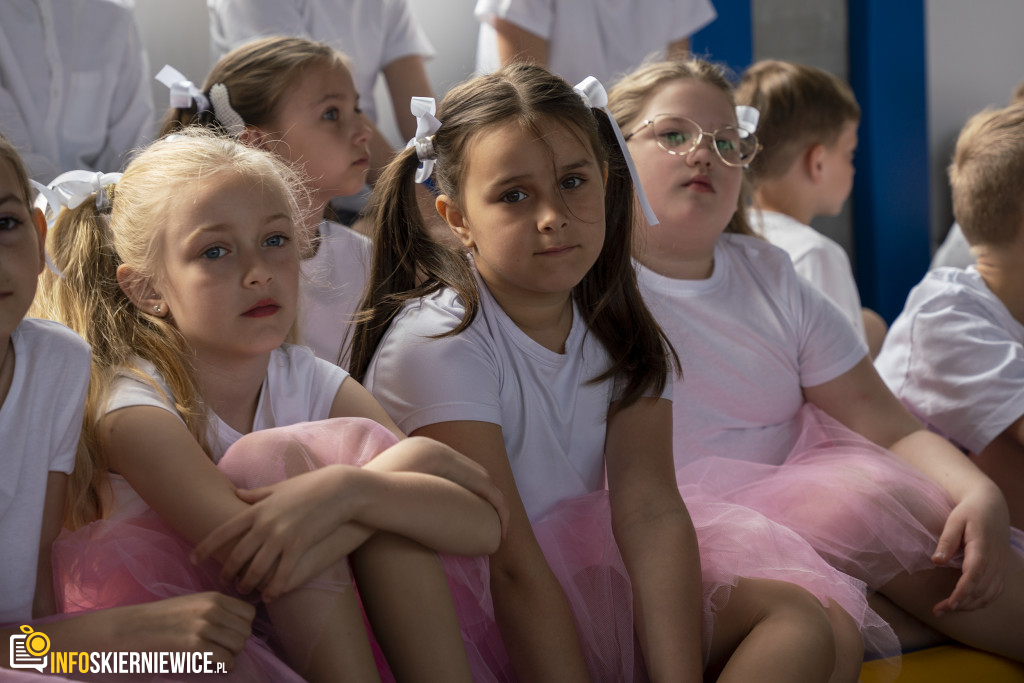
(183, 91)
(747, 118)
(595, 96)
(423, 108)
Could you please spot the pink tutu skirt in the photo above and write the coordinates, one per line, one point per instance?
(577, 540)
(139, 558)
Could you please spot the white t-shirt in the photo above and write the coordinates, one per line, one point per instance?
(331, 289)
(74, 84)
(40, 423)
(749, 337)
(299, 387)
(600, 38)
(955, 357)
(954, 251)
(372, 33)
(816, 257)
(553, 422)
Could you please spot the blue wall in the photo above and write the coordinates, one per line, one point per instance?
(728, 39)
(891, 190)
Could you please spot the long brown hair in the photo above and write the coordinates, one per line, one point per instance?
(408, 264)
(88, 245)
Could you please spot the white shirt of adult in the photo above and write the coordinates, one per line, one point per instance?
(331, 289)
(552, 420)
(600, 38)
(40, 424)
(749, 338)
(816, 257)
(372, 33)
(955, 357)
(74, 84)
(299, 387)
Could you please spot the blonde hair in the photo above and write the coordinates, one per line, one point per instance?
(987, 176)
(800, 106)
(257, 75)
(628, 97)
(88, 246)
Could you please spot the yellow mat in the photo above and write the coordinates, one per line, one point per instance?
(947, 664)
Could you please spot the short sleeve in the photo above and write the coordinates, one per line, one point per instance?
(421, 380)
(535, 16)
(139, 386)
(77, 361)
(403, 37)
(964, 377)
(691, 16)
(827, 266)
(828, 344)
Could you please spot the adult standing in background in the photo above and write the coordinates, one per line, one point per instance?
(74, 84)
(379, 36)
(580, 38)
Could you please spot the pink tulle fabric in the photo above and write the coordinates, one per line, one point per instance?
(131, 560)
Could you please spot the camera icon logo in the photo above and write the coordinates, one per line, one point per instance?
(29, 650)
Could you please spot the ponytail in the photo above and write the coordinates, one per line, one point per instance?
(407, 262)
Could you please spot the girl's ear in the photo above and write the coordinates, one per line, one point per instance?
(252, 136)
(140, 291)
(456, 220)
(39, 220)
(814, 161)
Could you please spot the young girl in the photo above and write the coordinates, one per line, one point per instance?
(516, 355)
(296, 98)
(187, 292)
(773, 374)
(43, 386)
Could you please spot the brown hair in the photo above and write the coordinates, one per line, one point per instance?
(629, 96)
(800, 106)
(88, 246)
(408, 264)
(987, 176)
(257, 75)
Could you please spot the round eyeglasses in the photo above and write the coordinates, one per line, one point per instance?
(680, 135)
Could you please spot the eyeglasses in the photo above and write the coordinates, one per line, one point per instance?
(680, 135)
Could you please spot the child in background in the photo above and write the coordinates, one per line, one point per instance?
(780, 407)
(955, 355)
(514, 354)
(808, 134)
(187, 293)
(43, 384)
(295, 97)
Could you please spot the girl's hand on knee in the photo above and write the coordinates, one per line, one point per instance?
(200, 622)
(282, 523)
(980, 524)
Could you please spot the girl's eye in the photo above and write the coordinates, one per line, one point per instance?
(331, 114)
(214, 253)
(572, 182)
(513, 196)
(675, 138)
(9, 223)
(726, 145)
(276, 241)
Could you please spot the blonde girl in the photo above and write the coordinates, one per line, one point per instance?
(187, 292)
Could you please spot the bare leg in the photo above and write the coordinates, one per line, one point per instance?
(406, 597)
(329, 648)
(913, 633)
(776, 631)
(994, 628)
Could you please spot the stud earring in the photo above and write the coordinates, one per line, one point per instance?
(156, 309)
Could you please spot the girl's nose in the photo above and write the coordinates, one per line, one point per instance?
(702, 154)
(554, 216)
(364, 130)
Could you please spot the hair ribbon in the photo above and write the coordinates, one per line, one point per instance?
(747, 118)
(183, 91)
(424, 108)
(595, 96)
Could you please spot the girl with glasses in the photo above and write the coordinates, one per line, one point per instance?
(780, 407)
